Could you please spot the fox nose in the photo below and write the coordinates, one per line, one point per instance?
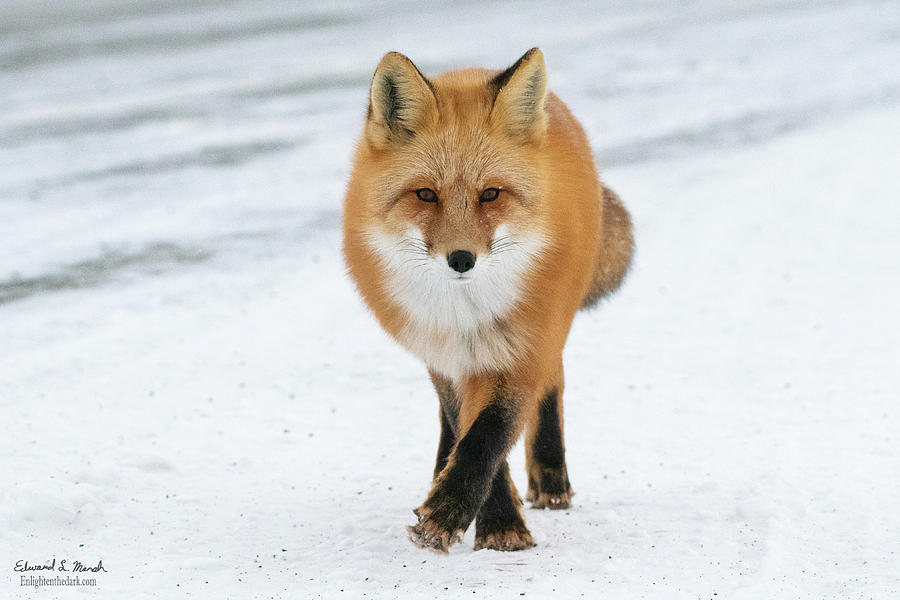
(461, 260)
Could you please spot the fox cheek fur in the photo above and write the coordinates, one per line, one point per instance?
(475, 227)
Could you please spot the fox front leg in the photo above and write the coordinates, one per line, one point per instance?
(460, 490)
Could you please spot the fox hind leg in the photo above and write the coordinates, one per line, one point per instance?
(548, 478)
(448, 414)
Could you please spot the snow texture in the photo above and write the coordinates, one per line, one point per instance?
(192, 392)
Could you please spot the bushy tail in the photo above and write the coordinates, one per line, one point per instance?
(616, 249)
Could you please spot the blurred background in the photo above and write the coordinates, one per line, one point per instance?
(144, 134)
(194, 393)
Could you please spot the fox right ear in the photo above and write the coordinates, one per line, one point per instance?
(519, 97)
(401, 101)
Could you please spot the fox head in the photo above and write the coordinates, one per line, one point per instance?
(448, 173)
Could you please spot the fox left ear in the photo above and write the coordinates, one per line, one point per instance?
(519, 97)
(401, 101)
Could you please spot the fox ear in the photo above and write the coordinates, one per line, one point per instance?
(401, 101)
(519, 97)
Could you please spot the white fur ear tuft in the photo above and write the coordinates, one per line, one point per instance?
(519, 97)
(401, 101)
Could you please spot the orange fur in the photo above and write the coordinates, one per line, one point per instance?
(458, 134)
(459, 153)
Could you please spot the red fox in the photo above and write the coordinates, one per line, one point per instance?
(475, 227)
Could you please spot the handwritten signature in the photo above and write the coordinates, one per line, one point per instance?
(77, 567)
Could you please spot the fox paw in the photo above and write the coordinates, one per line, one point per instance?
(507, 541)
(550, 489)
(551, 501)
(427, 533)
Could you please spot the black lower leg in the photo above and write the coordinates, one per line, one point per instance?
(449, 413)
(462, 488)
(548, 479)
(445, 446)
(467, 477)
(500, 513)
(548, 443)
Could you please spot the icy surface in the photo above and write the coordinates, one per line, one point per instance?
(191, 391)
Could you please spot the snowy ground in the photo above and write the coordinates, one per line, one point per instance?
(191, 391)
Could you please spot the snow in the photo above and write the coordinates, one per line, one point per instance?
(192, 392)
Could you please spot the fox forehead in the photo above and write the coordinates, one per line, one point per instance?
(450, 156)
(461, 147)
(462, 160)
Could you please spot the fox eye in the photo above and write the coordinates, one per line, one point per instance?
(489, 194)
(426, 195)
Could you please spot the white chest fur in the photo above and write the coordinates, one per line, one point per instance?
(455, 323)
